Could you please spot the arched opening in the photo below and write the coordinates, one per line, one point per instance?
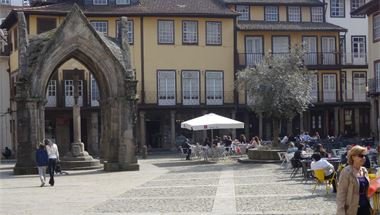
(59, 106)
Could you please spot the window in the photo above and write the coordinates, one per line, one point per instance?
(51, 93)
(317, 14)
(377, 74)
(214, 88)
(100, 2)
(190, 32)
(294, 14)
(94, 92)
(314, 87)
(165, 31)
(328, 51)
(5, 1)
(355, 4)
(376, 27)
(310, 47)
(213, 33)
(69, 92)
(190, 87)
(166, 87)
(100, 26)
(253, 50)
(123, 2)
(129, 30)
(329, 87)
(358, 46)
(244, 12)
(337, 8)
(271, 13)
(280, 45)
(359, 83)
(45, 24)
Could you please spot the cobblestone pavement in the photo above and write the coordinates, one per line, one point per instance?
(166, 185)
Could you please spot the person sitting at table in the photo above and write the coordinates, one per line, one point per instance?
(186, 147)
(322, 151)
(300, 154)
(343, 157)
(291, 148)
(328, 168)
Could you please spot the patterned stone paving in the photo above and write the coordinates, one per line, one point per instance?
(206, 189)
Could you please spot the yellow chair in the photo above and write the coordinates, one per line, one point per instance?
(319, 175)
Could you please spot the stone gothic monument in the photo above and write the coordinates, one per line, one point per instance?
(109, 61)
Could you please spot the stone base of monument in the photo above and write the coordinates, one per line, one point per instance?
(116, 166)
(263, 156)
(82, 162)
(79, 159)
(25, 170)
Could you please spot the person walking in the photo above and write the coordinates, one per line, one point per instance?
(42, 160)
(353, 185)
(53, 154)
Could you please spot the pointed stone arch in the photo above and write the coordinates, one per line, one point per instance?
(107, 59)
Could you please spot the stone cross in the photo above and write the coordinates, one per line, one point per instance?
(77, 148)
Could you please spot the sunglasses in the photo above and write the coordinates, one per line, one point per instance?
(361, 156)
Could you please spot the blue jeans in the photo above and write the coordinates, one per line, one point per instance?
(51, 168)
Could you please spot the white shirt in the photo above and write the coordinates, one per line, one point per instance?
(323, 164)
(52, 151)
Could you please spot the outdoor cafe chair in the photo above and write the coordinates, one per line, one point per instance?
(296, 165)
(319, 175)
(282, 156)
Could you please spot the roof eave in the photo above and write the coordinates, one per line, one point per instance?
(368, 8)
(87, 13)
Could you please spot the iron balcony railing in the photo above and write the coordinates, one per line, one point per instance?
(170, 98)
(373, 86)
(310, 58)
(354, 58)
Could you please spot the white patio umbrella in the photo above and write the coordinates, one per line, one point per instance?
(211, 121)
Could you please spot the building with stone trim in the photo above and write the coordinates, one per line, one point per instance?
(372, 10)
(353, 76)
(5, 108)
(185, 55)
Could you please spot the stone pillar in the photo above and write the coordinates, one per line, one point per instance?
(172, 130)
(260, 125)
(27, 135)
(301, 122)
(357, 120)
(78, 158)
(233, 131)
(289, 126)
(93, 130)
(204, 132)
(336, 121)
(246, 122)
(373, 118)
(142, 129)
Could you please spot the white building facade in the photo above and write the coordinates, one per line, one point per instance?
(353, 52)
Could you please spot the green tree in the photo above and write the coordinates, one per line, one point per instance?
(278, 87)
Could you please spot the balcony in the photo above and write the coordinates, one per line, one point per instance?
(171, 98)
(250, 59)
(356, 59)
(374, 86)
(311, 59)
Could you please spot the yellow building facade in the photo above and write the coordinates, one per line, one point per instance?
(185, 58)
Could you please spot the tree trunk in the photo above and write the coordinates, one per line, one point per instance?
(276, 131)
